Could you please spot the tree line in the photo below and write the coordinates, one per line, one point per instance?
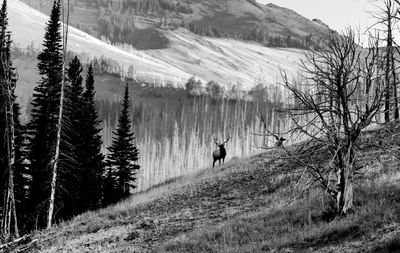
(54, 162)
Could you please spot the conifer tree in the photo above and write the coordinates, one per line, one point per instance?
(44, 116)
(123, 157)
(90, 157)
(69, 167)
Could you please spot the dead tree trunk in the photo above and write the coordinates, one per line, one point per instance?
(344, 198)
(55, 160)
(9, 212)
(394, 84)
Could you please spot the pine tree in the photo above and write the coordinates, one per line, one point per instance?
(43, 125)
(123, 157)
(70, 172)
(89, 156)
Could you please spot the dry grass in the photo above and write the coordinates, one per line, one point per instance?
(239, 207)
(305, 225)
(391, 246)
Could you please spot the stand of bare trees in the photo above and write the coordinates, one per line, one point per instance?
(387, 18)
(8, 79)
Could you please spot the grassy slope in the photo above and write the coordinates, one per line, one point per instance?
(223, 60)
(228, 16)
(239, 207)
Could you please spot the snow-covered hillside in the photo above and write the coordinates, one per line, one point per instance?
(226, 61)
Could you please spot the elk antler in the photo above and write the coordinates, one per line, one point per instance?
(227, 140)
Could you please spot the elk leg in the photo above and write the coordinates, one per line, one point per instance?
(214, 163)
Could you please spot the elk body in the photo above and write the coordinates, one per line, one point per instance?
(220, 153)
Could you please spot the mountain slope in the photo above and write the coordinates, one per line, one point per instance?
(243, 206)
(244, 19)
(226, 61)
(27, 26)
(248, 14)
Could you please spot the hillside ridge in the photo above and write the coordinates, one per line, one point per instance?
(244, 205)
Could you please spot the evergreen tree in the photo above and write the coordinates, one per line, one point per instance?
(123, 157)
(89, 156)
(43, 125)
(70, 176)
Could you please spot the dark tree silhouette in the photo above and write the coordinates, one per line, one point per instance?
(69, 175)
(43, 125)
(89, 156)
(123, 157)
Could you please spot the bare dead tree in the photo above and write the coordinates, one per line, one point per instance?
(7, 89)
(330, 107)
(387, 19)
(55, 160)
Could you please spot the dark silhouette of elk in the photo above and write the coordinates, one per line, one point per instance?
(220, 153)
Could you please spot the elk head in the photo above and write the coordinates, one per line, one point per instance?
(220, 153)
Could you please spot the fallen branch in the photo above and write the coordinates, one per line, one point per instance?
(22, 240)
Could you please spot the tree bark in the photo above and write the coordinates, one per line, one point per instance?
(9, 199)
(344, 199)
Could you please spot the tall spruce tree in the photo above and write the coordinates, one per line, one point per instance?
(89, 156)
(69, 167)
(43, 125)
(123, 157)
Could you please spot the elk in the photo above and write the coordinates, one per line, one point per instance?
(279, 141)
(220, 153)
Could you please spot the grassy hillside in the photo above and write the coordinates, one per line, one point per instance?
(244, 206)
(243, 19)
(227, 61)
